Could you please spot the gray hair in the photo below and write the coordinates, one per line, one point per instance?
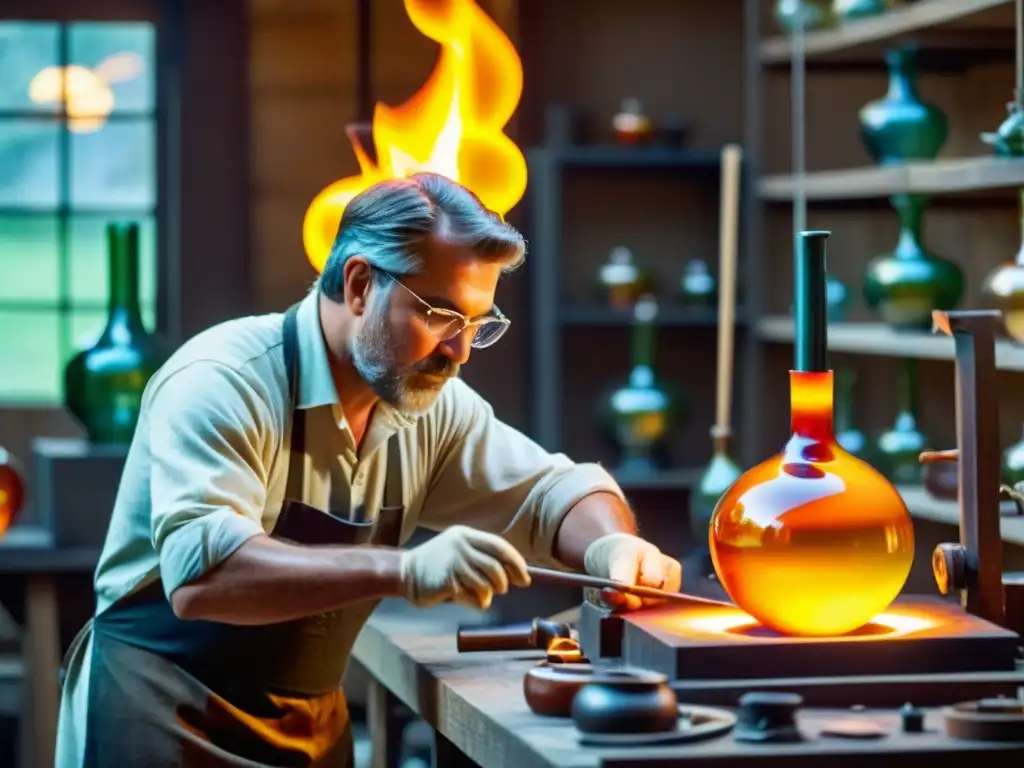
(387, 223)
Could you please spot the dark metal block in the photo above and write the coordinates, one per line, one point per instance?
(75, 487)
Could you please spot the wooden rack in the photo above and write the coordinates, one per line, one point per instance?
(977, 36)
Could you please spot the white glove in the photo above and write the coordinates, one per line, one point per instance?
(629, 559)
(463, 565)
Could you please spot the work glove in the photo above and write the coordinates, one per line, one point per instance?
(463, 565)
(629, 559)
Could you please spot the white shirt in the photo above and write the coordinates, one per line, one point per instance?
(208, 465)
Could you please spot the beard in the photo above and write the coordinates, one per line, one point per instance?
(410, 389)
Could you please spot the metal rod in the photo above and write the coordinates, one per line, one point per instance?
(798, 99)
(584, 580)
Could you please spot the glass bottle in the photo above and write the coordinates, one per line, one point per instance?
(1013, 463)
(899, 126)
(812, 14)
(904, 286)
(622, 280)
(1004, 287)
(630, 124)
(813, 541)
(103, 385)
(697, 287)
(847, 435)
(850, 10)
(898, 448)
(640, 411)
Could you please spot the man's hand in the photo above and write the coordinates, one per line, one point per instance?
(629, 559)
(463, 565)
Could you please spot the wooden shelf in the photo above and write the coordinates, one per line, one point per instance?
(584, 316)
(972, 174)
(880, 339)
(921, 15)
(925, 507)
(667, 480)
(614, 157)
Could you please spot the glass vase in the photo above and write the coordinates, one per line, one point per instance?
(641, 411)
(103, 384)
(698, 288)
(900, 127)
(898, 449)
(12, 490)
(1013, 463)
(813, 541)
(904, 286)
(812, 14)
(1004, 287)
(622, 280)
(848, 436)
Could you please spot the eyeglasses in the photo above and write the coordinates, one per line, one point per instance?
(446, 324)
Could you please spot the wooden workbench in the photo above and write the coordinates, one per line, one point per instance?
(475, 703)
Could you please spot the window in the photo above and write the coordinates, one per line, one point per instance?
(78, 141)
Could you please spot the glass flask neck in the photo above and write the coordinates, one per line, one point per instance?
(811, 405)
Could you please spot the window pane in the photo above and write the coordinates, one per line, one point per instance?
(123, 56)
(29, 259)
(30, 348)
(28, 164)
(87, 259)
(29, 50)
(114, 167)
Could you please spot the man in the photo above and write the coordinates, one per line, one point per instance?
(228, 598)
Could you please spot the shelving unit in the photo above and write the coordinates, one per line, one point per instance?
(552, 317)
(979, 36)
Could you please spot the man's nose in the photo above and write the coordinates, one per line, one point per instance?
(458, 347)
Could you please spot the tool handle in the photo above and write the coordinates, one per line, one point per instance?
(727, 247)
(586, 580)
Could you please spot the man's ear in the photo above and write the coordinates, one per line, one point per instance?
(358, 278)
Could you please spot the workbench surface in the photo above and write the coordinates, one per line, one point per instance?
(475, 701)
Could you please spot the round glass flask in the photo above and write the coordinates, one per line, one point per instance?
(813, 541)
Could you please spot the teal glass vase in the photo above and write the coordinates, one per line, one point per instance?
(899, 126)
(1013, 463)
(698, 288)
(718, 477)
(103, 384)
(904, 286)
(851, 10)
(641, 412)
(898, 449)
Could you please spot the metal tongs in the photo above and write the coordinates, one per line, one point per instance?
(583, 580)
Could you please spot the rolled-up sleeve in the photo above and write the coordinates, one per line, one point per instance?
(493, 477)
(208, 429)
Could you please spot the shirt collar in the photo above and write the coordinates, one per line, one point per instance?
(316, 383)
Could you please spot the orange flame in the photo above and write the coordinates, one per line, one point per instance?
(452, 125)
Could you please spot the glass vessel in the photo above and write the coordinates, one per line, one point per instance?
(1008, 139)
(848, 10)
(813, 14)
(103, 385)
(622, 280)
(1013, 463)
(898, 449)
(697, 287)
(12, 490)
(813, 541)
(1004, 286)
(630, 124)
(718, 476)
(641, 411)
(847, 435)
(904, 286)
(899, 126)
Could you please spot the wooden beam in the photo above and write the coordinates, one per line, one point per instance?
(880, 339)
(898, 21)
(971, 174)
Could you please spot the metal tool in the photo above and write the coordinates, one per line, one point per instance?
(584, 580)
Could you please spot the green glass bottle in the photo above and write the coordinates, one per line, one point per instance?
(813, 14)
(718, 477)
(641, 411)
(848, 436)
(103, 385)
(900, 127)
(904, 286)
(698, 288)
(849, 10)
(1004, 286)
(1008, 139)
(898, 449)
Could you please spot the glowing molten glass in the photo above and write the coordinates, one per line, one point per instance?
(814, 541)
(453, 125)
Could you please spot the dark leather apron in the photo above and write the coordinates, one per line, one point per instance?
(167, 692)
